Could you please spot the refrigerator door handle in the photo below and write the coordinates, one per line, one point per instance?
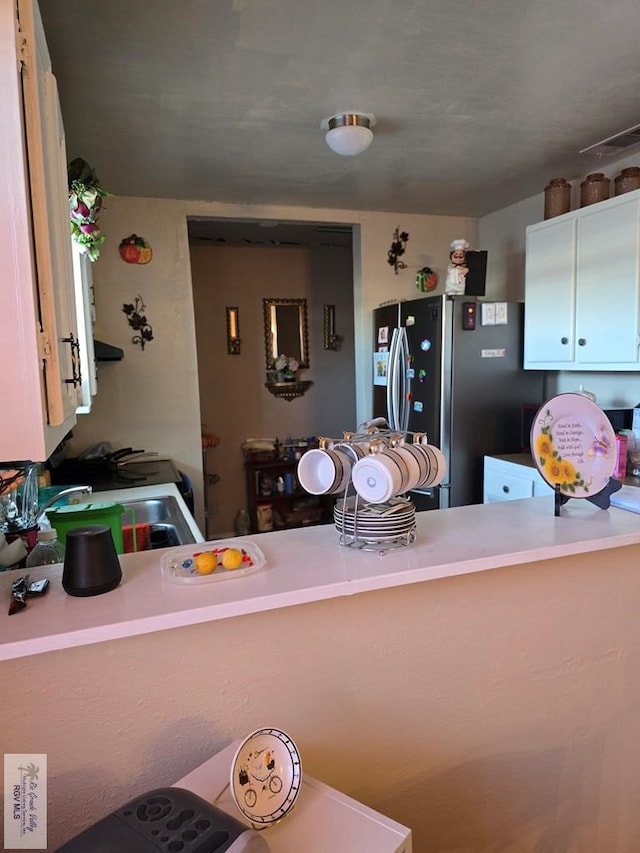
(404, 383)
(392, 382)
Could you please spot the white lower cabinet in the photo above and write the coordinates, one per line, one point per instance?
(511, 478)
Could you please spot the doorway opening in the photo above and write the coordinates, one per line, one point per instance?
(236, 264)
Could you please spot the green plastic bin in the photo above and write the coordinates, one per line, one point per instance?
(66, 518)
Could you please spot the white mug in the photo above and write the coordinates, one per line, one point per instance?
(352, 449)
(438, 465)
(416, 464)
(377, 477)
(324, 471)
(406, 467)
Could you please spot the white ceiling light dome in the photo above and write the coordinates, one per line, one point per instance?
(349, 133)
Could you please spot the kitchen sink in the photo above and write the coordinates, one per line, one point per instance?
(167, 524)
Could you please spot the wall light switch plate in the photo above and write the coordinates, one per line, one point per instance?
(488, 314)
(502, 314)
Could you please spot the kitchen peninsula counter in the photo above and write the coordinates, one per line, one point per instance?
(309, 565)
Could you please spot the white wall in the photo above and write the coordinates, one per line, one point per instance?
(489, 712)
(503, 234)
(150, 399)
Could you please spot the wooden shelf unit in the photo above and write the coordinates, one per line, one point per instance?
(289, 509)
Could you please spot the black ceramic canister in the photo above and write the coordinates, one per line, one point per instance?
(91, 564)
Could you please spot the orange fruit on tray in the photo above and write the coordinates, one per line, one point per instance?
(206, 563)
(231, 558)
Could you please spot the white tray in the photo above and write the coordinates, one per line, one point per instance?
(178, 564)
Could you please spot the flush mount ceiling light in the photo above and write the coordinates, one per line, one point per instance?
(349, 133)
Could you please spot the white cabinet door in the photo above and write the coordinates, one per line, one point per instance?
(607, 284)
(505, 480)
(582, 289)
(36, 293)
(46, 153)
(550, 293)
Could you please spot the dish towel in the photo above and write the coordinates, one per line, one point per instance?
(628, 497)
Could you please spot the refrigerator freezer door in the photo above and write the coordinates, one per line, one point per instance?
(424, 321)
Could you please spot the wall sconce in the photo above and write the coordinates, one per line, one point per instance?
(233, 332)
(331, 340)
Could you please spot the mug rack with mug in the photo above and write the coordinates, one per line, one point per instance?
(373, 470)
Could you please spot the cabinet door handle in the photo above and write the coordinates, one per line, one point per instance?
(582, 342)
(564, 341)
(76, 375)
(505, 489)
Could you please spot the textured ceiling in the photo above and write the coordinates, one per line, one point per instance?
(478, 104)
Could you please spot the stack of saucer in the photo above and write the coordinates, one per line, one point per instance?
(379, 522)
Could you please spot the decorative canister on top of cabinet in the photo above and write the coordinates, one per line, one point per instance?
(594, 188)
(627, 180)
(557, 197)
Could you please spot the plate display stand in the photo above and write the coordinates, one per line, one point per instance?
(369, 526)
(602, 499)
(573, 445)
(265, 777)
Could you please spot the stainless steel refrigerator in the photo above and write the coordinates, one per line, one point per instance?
(452, 367)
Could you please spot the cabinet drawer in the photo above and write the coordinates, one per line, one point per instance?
(504, 487)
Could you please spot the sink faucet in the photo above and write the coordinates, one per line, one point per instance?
(70, 491)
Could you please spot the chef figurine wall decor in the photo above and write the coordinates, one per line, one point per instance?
(457, 269)
(467, 270)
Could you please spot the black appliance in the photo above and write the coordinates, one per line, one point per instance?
(454, 371)
(171, 820)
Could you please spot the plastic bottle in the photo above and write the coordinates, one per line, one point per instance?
(242, 525)
(48, 549)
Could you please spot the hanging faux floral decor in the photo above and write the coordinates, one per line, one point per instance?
(85, 204)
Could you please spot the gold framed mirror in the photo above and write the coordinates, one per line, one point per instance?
(286, 330)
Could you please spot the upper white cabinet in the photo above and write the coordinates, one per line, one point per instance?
(582, 289)
(41, 377)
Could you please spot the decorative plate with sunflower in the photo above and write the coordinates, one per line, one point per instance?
(573, 445)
